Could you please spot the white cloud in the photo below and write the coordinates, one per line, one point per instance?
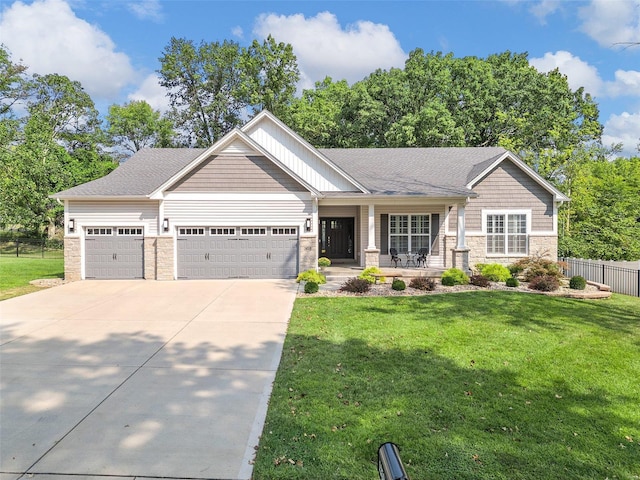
(610, 22)
(153, 93)
(627, 82)
(237, 32)
(323, 48)
(544, 8)
(48, 38)
(625, 129)
(579, 73)
(147, 10)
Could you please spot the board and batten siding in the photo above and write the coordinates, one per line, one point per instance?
(238, 209)
(299, 159)
(237, 173)
(508, 187)
(115, 214)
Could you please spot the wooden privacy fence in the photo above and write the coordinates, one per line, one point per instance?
(621, 280)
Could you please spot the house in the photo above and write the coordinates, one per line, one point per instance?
(264, 203)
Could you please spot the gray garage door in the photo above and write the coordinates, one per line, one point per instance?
(114, 253)
(237, 252)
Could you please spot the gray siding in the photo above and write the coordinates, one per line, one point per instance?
(237, 173)
(509, 187)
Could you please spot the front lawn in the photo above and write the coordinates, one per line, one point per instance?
(17, 272)
(475, 385)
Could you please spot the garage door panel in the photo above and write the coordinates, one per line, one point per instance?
(113, 256)
(255, 254)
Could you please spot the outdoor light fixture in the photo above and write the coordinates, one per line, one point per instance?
(307, 224)
(165, 225)
(72, 225)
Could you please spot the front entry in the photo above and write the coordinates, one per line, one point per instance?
(337, 237)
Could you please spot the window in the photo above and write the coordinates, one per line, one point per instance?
(254, 231)
(190, 231)
(506, 234)
(224, 231)
(122, 231)
(95, 232)
(284, 230)
(409, 233)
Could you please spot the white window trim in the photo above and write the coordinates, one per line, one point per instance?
(409, 234)
(506, 212)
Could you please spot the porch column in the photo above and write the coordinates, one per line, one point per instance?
(461, 252)
(372, 253)
(372, 228)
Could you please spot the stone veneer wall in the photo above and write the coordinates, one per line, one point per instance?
(164, 258)
(544, 246)
(307, 252)
(150, 257)
(72, 259)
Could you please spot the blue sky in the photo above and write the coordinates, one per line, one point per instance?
(112, 46)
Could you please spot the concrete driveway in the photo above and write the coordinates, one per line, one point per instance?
(139, 378)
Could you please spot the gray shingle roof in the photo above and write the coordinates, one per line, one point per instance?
(434, 172)
(140, 175)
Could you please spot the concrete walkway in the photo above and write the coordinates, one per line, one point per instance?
(139, 378)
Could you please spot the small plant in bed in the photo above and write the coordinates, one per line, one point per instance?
(356, 285)
(367, 274)
(311, 276)
(398, 285)
(311, 287)
(454, 276)
(423, 283)
(544, 283)
(493, 271)
(577, 283)
(512, 282)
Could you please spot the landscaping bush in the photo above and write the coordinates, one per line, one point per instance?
(356, 285)
(454, 276)
(367, 274)
(495, 272)
(479, 281)
(531, 267)
(512, 282)
(398, 284)
(324, 262)
(577, 283)
(423, 283)
(544, 283)
(311, 276)
(311, 287)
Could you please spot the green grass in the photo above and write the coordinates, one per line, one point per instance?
(17, 272)
(476, 385)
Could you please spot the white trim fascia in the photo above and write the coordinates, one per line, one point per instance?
(389, 200)
(235, 134)
(88, 198)
(558, 196)
(314, 151)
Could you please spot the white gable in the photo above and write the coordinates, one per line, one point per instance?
(298, 156)
(238, 146)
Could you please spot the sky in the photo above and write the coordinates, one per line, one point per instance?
(112, 46)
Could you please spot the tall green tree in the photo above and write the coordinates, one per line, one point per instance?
(135, 125)
(269, 75)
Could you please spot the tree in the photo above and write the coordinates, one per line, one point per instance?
(136, 125)
(269, 75)
(11, 81)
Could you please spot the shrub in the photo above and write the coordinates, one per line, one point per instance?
(423, 283)
(577, 283)
(494, 271)
(454, 276)
(324, 262)
(356, 285)
(544, 283)
(398, 284)
(311, 276)
(512, 282)
(311, 287)
(367, 274)
(531, 267)
(479, 281)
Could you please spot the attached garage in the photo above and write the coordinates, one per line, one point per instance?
(237, 252)
(114, 252)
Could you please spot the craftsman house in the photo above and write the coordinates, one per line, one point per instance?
(264, 203)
